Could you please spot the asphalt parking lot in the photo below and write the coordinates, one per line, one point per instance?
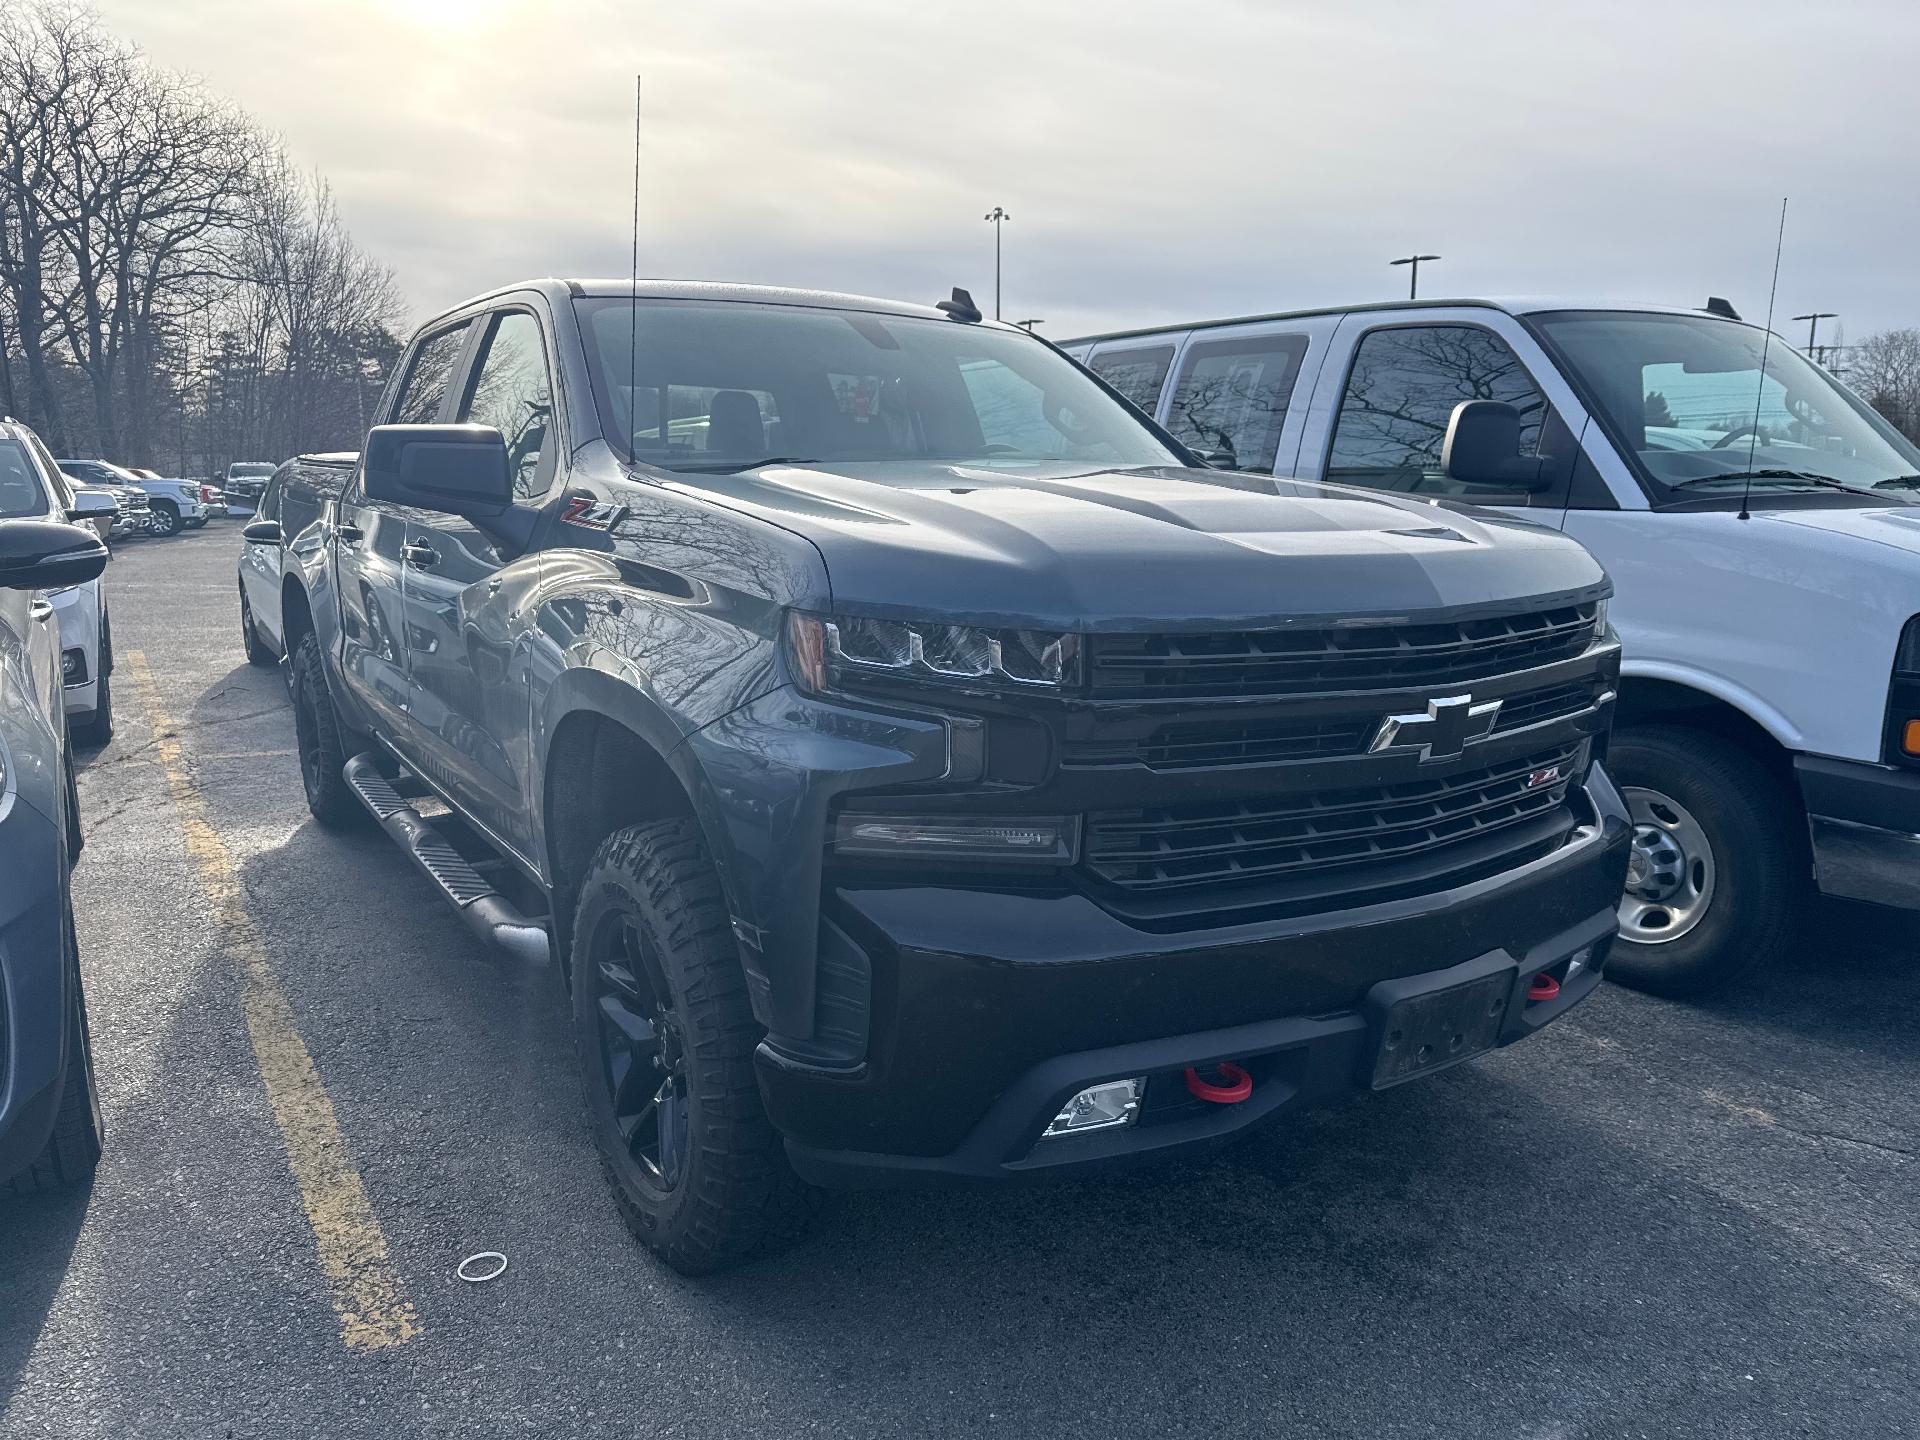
(1656, 1219)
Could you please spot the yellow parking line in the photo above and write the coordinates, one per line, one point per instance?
(374, 1311)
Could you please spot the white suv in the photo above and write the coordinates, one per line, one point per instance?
(1759, 523)
(33, 488)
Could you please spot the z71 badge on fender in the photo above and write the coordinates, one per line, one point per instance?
(591, 514)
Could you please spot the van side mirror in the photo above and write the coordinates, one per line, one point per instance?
(460, 469)
(48, 554)
(1482, 449)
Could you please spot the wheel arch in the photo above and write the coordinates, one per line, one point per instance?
(1663, 694)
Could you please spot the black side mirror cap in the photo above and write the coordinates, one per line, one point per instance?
(48, 554)
(459, 469)
(1482, 449)
(262, 532)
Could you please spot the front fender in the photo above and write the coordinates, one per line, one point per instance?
(1747, 702)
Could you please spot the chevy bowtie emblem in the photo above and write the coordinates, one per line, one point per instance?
(1447, 727)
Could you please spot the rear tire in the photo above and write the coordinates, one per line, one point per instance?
(1709, 816)
(73, 1149)
(318, 734)
(698, 1172)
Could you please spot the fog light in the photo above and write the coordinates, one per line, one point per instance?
(1100, 1107)
(1046, 840)
(73, 667)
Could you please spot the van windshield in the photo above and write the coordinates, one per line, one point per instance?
(1688, 401)
(723, 386)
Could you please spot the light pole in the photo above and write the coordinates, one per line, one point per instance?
(995, 217)
(1813, 325)
(1413, 287)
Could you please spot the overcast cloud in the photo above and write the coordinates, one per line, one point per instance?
(1160, 160)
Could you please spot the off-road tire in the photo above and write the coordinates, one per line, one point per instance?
(737, 1198)
(317, 731)
(73, 1149)
(1762, 868)
(256, 648)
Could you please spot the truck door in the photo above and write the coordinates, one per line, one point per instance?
(369, 536)
(465, 597)
(1389, 386)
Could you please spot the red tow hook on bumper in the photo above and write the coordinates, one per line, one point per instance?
(1544, 987)
(1230, 1086)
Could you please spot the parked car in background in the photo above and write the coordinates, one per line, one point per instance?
(214, 498)
(136, 515)
(295, 498)
(245, 482)
(32, 487)
(50, 1130)
(1757, 518)
(929, 773)
(176, 505)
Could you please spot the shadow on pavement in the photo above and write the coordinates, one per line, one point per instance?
(37, 1237)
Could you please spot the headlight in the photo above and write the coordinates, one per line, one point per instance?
(828, 652)
(1600, 620)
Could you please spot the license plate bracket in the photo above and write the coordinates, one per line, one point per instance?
(1421, 1031)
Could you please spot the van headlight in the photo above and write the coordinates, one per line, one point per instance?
(829, 652)
(1600, 619)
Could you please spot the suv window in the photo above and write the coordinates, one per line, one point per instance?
(21, 493)
(1401, 393)
(1138, 373)
(425, 391)
(50, 469)
(511, 392)
(1232, 396)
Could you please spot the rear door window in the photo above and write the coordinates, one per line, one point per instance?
(1400, 397)
(1139, 373)
(423, 396)
(1231, 397)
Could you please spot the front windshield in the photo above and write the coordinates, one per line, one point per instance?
(243, 469)
(1679, 394)
(727, 385)
(21, 493)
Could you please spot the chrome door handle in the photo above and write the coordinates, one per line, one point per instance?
(419, 554)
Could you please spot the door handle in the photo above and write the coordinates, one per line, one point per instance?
(419, 554)
(349, 532)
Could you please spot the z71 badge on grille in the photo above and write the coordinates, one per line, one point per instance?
(1448, 726)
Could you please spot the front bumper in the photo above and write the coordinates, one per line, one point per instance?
(991, 1009)
(34, 974)
(1864, 824)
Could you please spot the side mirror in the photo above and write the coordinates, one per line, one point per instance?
(1219, 459)
(1482, 448)
(47, 554)
(461, 469)
(261, 532)
(92, 505)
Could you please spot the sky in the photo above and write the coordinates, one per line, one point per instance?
(1160, 160)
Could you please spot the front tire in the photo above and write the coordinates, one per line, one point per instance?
(317, 733)
(1719, 870)
(166, 519)
(666, 1040)
(256, 649)
(73, 1149)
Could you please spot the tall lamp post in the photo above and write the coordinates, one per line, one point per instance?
(996, 217)
(1813, 325)
(1413, 287)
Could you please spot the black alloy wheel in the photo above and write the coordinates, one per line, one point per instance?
(642, 1051)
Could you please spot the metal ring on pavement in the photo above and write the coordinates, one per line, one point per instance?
(479, 1269)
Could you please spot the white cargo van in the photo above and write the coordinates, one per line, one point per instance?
(1760, 523)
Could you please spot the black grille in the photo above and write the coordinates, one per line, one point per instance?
(1171, 847)
(1335, 657)
(1274, 740)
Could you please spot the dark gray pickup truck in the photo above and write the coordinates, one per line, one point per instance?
(918, 767)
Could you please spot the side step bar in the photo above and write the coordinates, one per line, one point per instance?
(488, 913)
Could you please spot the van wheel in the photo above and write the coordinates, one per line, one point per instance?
(317, 733)
(666, 1040)
(73, 1150)
(1718, 871)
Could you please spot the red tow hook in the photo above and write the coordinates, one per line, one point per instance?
(1544, 987)
(1234, 1084)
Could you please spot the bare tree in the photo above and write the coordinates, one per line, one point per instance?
(1885, 370)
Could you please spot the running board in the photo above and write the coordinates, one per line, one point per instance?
(488, 913)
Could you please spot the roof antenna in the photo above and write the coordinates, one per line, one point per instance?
(633, 291)
(1760, 389)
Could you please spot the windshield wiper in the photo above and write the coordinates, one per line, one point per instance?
(1899, 482)
(740, 467)
(1766, 475)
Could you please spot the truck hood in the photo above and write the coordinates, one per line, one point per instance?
(1065, 547)
(1896, 524)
